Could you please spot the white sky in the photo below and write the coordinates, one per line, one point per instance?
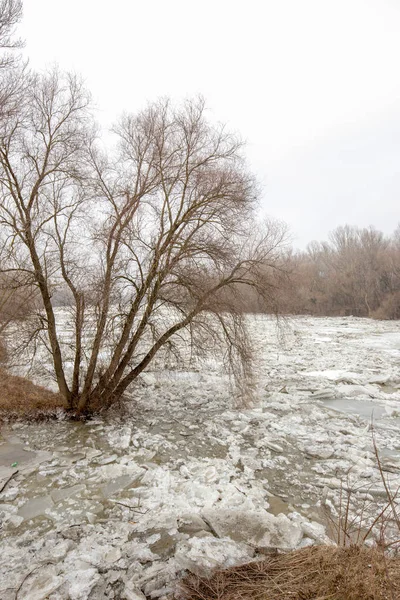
(312, 85)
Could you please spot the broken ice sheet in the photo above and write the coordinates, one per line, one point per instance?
(35, 507)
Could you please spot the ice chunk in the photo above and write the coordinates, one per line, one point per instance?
(257, 528)
(91, 453)
(80, 583)
(152, 579)
(35, 507)
(163, 544)
(41, 583)
(118, 484)
(15, 520)
(6, 473)
(324, 394)
(190, 523)
(316, 532)
(17, 453)
(133, 594)
(200, 555)
(125, 437)
(274, 447)
(64, 493)
(108, 459)
(55, 552)
(10, 493)
(317, 451)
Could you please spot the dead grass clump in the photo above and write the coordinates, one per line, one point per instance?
(3, 352)
(313, 573)
(19, 397)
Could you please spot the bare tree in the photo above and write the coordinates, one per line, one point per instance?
(154, 242)
(13, 295)
(12, 69)
(10, 16)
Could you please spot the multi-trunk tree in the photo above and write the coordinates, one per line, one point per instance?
(152, 240)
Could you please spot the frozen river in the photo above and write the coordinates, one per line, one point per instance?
(120, 507)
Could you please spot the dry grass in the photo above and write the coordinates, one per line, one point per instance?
(19, 397)
(3, 352)
(313, 573)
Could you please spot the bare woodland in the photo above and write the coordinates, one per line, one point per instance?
(357, 272)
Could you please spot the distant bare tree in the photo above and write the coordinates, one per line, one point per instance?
(154, 242)
(10, 16)
(396, 235)
(14, 77)
(13, 294)
(13, 73)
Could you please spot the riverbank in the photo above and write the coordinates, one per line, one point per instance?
(318, 572)
(20, 398)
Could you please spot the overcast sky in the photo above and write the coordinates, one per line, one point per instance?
(312, 85)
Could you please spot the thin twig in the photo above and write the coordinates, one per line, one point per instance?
(8, 481)
(48, 562)
(134, 508)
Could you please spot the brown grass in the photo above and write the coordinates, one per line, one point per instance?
(3, 352)
(313, 573)
(19, 397)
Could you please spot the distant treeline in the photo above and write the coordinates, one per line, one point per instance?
(357, 272)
